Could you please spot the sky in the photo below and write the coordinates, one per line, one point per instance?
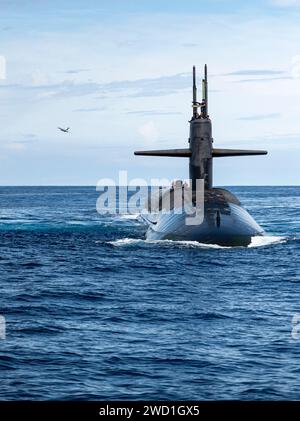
(119, 74)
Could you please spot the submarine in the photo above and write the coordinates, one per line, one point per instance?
(223, 220)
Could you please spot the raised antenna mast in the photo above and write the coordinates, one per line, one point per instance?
(204, 105)
(195, 103)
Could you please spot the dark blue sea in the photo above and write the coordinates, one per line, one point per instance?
(95, 312)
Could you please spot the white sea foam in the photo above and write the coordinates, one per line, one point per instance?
(266, 240)
(135, 241)
(130, 216)
(126, 242)
(256, 242)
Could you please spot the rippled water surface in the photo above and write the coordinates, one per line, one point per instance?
(93, 311)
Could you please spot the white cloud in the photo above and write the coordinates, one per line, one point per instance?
(149, 131)
(39, 78)
(15, 147)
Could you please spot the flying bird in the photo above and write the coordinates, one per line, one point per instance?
(64, 130)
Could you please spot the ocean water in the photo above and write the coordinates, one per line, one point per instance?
(93, 311)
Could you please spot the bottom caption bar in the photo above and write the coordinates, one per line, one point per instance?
(132, 410)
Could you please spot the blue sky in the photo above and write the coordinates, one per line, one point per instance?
(119, 74)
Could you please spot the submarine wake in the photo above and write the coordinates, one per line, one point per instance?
(257, 241)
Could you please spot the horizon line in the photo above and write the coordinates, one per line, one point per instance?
(123, 185)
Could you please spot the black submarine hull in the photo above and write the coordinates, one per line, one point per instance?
(225, 222)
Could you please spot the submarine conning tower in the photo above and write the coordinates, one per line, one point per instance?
(200, 151)
(200, 139)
